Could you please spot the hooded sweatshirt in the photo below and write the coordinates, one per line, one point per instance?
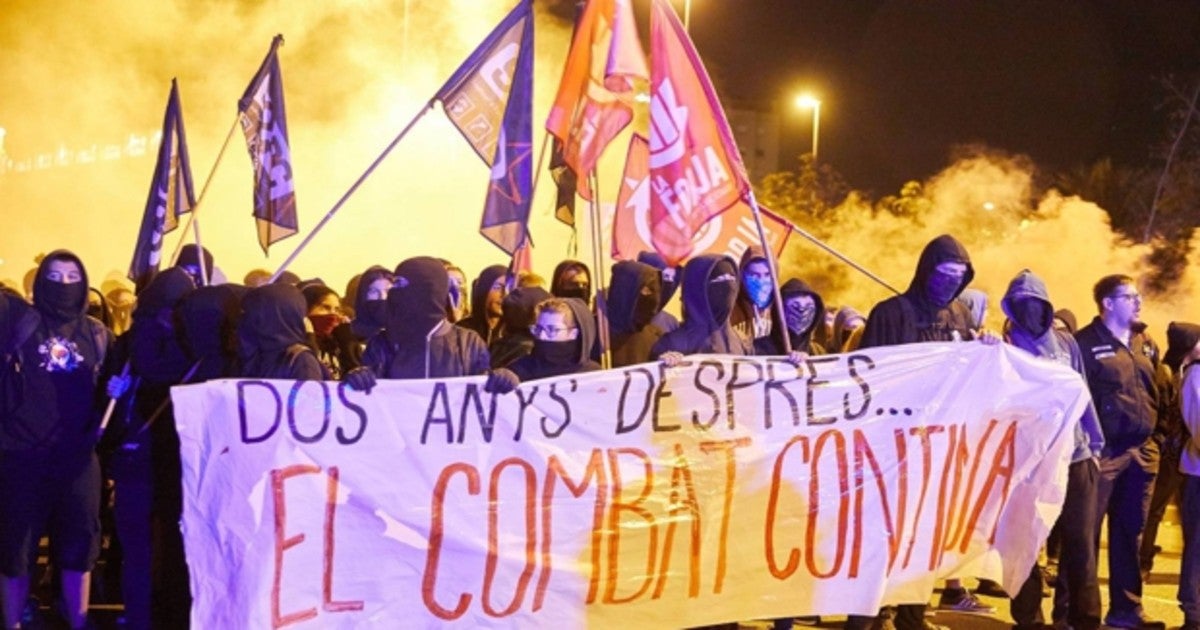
(518, 317)
(209, 316)
(370, 317)
(761, 325)
(709, 292)
(634, 298)
(272, 335)
(802, 340)
(1033, 330)
(917, 315)
(559, 286)
(670, 278)
(477, 320)
(548, 357)
(419, 342)
(976, 302)
(60, 360)
(189, 255)
(846, 339)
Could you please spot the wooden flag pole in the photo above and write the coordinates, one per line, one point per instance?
(598, 265)
(204, 190)
(774, 268)
(842, 257)
(361, 178)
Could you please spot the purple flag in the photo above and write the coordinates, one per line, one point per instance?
(171, 193)
(264, 122)
(489, 99)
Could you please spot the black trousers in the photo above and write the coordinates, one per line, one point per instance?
(1123, 495)
(1077, 588)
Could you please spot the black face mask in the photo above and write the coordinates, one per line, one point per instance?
(721, 295)
(942, 287)
(374, 313)
(557, 352)
(1031, 316)
(62, 301)
(644, 310)
(574, 291)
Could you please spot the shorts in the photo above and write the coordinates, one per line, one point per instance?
(51, 493)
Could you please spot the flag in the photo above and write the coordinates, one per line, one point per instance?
(593, 105)
(171, 193)
(696, 172)
(264, 122)
(728, 233)
(490, 100)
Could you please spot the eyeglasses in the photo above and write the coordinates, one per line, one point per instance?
(549, 331)
(1132, 297)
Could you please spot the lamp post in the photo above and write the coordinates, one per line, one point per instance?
(808, 101)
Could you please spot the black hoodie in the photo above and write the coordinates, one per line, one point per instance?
(518, 317)
(669, 277)
(802, 341)
(914, 316)
(419, 342)
(273, 340)
(705, 327)
(209, 316)
(370, 317)
(633, 301)
(538, 364)
(559, 286)
(60, 361)
(477, 320)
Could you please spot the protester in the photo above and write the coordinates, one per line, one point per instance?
(1027, 306)
(847, 329)
(1121, 377)
(49, 473)
(634, 298)
(98, 308)
(563, 335)
(710, 289)
(273, 342)
(669, 278)
(517, 340)
(209, 316)
(976, 302)
(754, 316)
(572, 279)
(927, 311)
(803, 314)
(370, 316)
(487, 296)
(122, 301)
(1183, 350)
(144, 462)
(1170, 436)
(325, 314)
(418, 341)
(256, 278)
(190, 259)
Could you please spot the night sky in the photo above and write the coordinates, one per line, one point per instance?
(903, 81)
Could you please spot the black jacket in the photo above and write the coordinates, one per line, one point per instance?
(517, 318)
(1122, 382)
(477, 320)
(538, 365)
(631, 339)
(912, 316)
(272, 335)
(702, 331)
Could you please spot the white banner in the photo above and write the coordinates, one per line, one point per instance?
(727, 488)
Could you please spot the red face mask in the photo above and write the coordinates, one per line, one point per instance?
(323, 325)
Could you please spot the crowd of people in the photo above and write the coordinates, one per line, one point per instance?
(85, 395)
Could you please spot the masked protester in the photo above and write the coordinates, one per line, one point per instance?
(49, 473)
(1030, 315)
(272, 337)
(487, 298)
(669, 278)
(563, 332)
(710, 289)
(209, 316)
(572, 279)
(189, 260)
(517, 341)
(418, 341)
(370, 316)
(754, 316)
(144, 456)
(634, 297)
(325, 315)
(803, 314)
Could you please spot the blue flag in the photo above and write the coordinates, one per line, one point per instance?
(489, 98)
(171, 193)
(264, 122)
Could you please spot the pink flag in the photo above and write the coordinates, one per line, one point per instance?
(696, 172)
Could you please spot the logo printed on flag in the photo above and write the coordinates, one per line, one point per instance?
(171, 193)
(489, 100)
(264, 122)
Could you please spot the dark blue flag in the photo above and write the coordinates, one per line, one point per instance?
(264, 122)
(171, 193)
(490, 99)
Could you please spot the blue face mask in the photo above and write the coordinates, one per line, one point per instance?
(759, 290)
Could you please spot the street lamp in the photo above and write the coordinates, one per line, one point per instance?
(808, 101)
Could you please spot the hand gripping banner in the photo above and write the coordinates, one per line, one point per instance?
(726, 488)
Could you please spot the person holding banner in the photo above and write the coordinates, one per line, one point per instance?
(370, 315)
(519, 318)
(710, 289)
(1077, 598)
(273, 340)
(49, 473)
(927, 311)
(562, 336)
(803, 314)
(755, 315)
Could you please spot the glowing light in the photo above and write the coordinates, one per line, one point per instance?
(807, 101)
(989, 206)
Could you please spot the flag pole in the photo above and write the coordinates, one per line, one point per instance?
(777, 299)
(361, 178)
(537, 172)
(840, 256)
(200, 253)
(196, 208)
(598, 265)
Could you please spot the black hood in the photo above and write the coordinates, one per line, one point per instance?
(944, 248)
(272, 319)
(209, 316)
(587, 329)
(628, 279)
(479, 291)
(1181, 338)
(417, 301)
(40, 284)
(164, 291)
(794, 287)
(697, 274)
(518, 309)
(190, 255)
(558, 286)
(669, 276)
(363, 325)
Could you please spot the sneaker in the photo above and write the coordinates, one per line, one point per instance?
(964, 601)
(1134, 621)
(991, 588)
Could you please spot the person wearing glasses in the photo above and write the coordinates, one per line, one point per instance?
(563, 333)
(1120, 365)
